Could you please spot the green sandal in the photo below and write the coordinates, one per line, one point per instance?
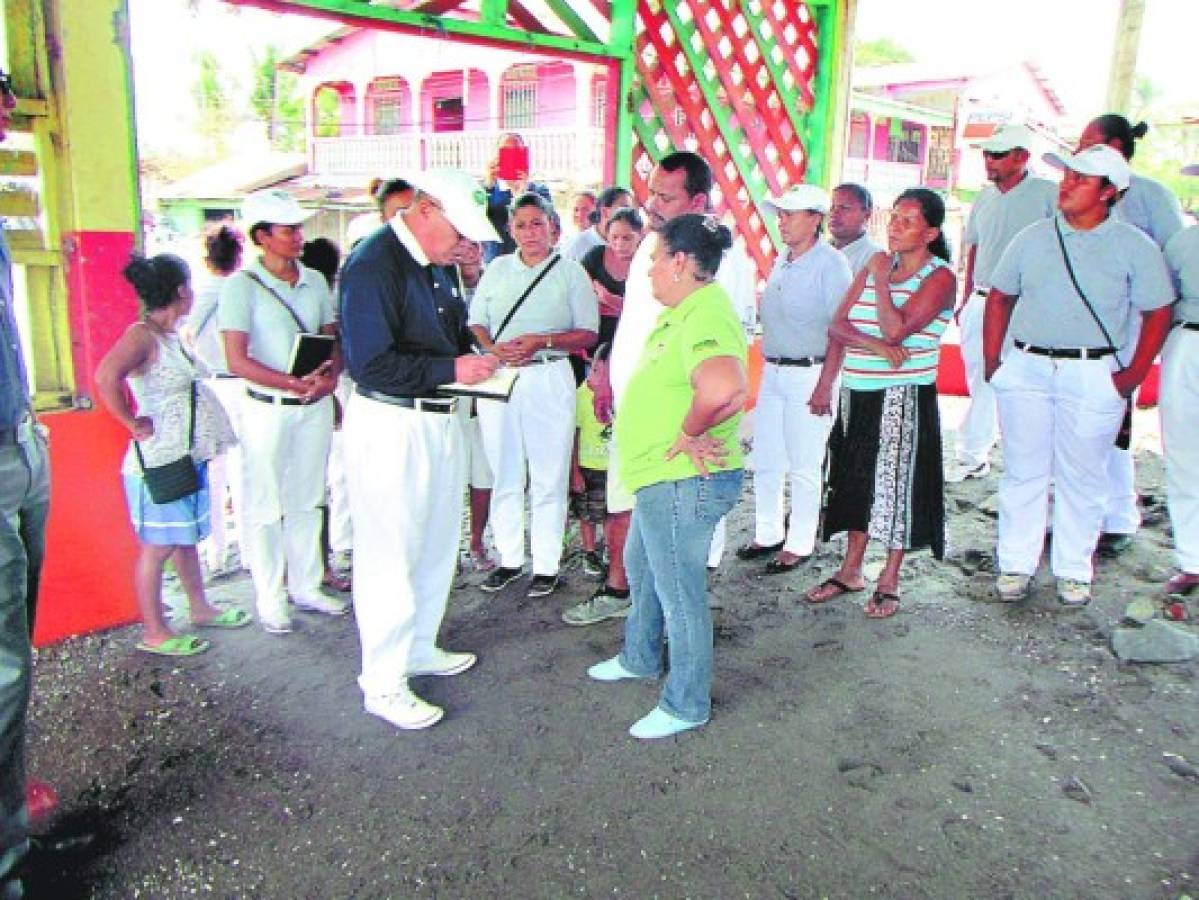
(180, 645)
(230, 618)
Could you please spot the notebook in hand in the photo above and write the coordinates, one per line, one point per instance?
(309, 352)
(497, 387)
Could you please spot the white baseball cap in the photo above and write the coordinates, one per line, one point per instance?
(1008, 137)
(362, 226)
(462, 198)
(274, 207)
(806, 197)
(1098, 159)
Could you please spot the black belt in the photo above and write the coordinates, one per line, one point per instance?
(225, 375)
(418, 403)
(271, 398)
(1189, 326)
(541, 360)
(795, 361)
(1066, 352)
(982, 292)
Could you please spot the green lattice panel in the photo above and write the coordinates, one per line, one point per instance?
(734, 82)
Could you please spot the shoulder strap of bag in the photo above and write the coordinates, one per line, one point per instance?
(1061, 242)
(253, 276)
(525, 296)
(191, 431)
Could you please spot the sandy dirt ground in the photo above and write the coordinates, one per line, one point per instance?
(962, 749)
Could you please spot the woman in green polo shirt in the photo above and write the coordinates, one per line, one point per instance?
(678, 449)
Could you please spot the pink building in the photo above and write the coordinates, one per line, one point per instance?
(408, 102)
(921, 123)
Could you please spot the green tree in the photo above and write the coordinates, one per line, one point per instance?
(328, 112)
(211, 96)
(273, 101)
(880, 52)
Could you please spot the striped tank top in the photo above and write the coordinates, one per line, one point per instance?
(865, 371)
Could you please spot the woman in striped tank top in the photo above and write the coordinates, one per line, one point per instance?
(885, 471)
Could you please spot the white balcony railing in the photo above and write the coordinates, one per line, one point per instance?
(557, 154)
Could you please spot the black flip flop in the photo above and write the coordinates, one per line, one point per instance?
(777, 567)
(880, 597)
(841, 586)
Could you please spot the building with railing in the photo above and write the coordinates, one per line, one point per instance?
(381, 102)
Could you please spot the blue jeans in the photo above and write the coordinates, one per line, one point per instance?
(666, 559)
(24, 501)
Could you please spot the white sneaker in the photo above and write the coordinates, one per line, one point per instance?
(322, 604)
(957, 473)
(280, 624)
(1071, 592)
(611, 670)
(1012, 587)
(445, 663)
(404, 709)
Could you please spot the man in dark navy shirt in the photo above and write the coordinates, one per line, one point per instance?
(24, 504)
(404, 332)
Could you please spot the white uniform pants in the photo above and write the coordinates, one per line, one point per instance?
(341, 534)
(1180, 437)
(284, 452)
(789, 443)
(1058, 418)
(224, 474)
(530, 438)
(980, 427)
(1121, 515)
(406, 472)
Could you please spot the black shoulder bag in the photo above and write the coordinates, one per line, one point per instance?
(1124, 435)
(178, 478)
(270, 290)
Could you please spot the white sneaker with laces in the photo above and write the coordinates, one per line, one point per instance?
(322, 604)
(277, 624)
(404, 710)
(444, 662)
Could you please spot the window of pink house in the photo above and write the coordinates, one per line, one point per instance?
(599, 101)
(903, 143)
(518, 98)
(389, 106)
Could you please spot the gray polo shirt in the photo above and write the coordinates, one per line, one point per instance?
(997, 217)
(1150, 206)
(1182, 256)
(244, 306)
(1120, 270)
(800, 299)
(859, 252)
(563, 301)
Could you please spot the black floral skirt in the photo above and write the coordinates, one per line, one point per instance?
(885, 474)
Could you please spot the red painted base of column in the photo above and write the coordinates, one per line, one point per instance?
(102, 304)
(87, 582)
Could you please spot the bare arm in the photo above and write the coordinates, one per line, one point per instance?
(967, 281)
(1155, 326)
(237, 355)
(933, 297)
(996, 318)
(129, 355)
(844, 334)
(721, 387)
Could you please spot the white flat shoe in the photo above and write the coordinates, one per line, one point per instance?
(658, 723)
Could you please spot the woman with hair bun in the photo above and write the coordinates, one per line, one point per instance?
(1147, 204)
(678, 451)
(885, 474)
(163, 381)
